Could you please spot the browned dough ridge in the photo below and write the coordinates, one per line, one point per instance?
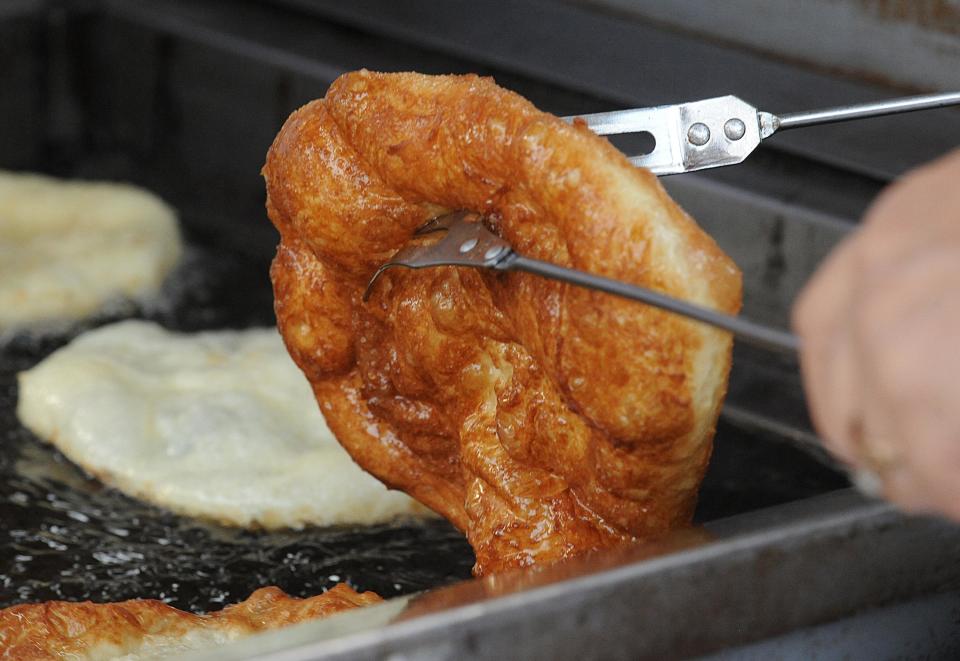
(85, 630)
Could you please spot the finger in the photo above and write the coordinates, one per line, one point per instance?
(822, 319)
(912, 402)
(934, 474)
(835, 396)
(830, 376)
(883, 448)
(917, 211)
(922, 474)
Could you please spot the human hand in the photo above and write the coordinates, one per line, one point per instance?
(880, 330)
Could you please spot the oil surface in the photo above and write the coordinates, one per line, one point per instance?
(63, 535)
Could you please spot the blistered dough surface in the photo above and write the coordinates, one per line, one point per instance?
(150, 629)
(219, 425)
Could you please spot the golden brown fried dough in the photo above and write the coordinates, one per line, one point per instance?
(542, 419)
(147, 628)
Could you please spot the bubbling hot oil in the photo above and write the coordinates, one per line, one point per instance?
(69, 537)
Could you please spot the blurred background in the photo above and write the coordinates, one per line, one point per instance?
(913, 44)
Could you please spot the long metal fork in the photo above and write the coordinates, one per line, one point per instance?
(725, 130)
(468, 242)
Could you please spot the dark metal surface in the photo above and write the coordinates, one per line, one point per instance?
(766, 574)
(913, 43)
(922, 628)
(632, 64)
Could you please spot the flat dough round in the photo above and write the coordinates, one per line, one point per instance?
(150, 629)
(67, 248)
(220, 425)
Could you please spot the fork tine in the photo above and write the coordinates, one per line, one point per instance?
(432, 225)
(399, 259)
(373, 280)
(407, 256)
(442, 222)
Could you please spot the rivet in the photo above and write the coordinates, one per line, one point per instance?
(734, 129)
(493, 252)
(468, 245)
(699, 134)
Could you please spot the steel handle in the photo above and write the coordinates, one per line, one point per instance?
(754, 333)
(862, 111)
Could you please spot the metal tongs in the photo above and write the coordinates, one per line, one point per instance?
(725, 130)
(688, 137)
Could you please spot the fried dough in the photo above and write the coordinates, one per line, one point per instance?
(541, 419)
(68, 248)
(150, 629)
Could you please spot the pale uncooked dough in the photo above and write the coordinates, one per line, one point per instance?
(67, 248)
(220, 425)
